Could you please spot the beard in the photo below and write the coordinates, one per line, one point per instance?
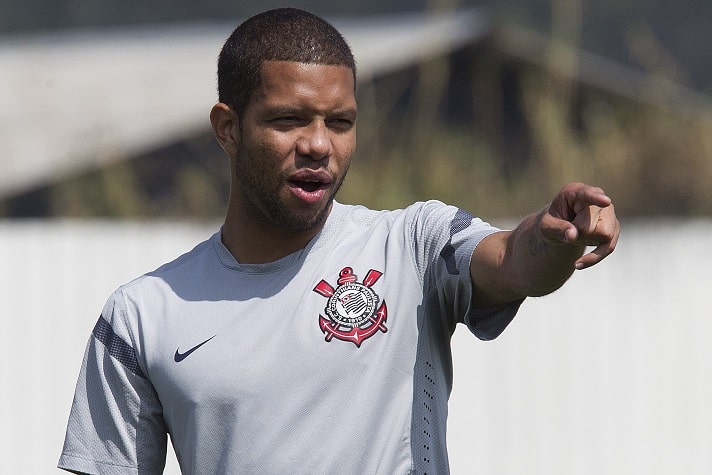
(264, 192)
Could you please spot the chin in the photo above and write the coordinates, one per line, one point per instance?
(300, 221)
(309, 222)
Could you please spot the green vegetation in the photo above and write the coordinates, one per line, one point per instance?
(652, 161)
(488, 134)
(493, 136)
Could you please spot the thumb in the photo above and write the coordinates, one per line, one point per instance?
(557, 230)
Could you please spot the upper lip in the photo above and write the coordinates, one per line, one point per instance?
(314, 176)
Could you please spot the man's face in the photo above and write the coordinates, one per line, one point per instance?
(296, 138)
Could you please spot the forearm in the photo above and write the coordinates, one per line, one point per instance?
(534, 265)
(511, 265)
(544, 250)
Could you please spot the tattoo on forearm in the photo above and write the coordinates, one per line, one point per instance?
(538, 247)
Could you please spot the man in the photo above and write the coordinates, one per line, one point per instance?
(308, 336)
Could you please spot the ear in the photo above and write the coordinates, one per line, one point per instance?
(224, 121)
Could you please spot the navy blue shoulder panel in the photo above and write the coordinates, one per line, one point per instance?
(118, 348)
(460, 222)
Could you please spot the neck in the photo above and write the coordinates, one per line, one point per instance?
(253, 241)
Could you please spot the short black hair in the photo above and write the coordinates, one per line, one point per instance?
(283, 34)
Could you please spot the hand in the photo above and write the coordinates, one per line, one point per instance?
(582, 215)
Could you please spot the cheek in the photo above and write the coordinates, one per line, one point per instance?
(274, 148)
(347, 158)
(347, 147)
(260, 150)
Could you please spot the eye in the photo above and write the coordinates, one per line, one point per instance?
(286, 121)
(341, 124)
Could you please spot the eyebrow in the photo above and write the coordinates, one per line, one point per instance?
(285, 110)
(348, 112)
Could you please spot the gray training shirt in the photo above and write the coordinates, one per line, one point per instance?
(335, 359)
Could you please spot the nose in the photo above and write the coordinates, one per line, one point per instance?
(315, 143)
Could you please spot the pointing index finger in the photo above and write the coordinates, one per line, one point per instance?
(593, 195)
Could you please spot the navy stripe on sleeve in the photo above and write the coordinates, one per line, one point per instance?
(459, 223)
(117, 347)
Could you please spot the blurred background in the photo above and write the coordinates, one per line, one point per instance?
(109, 169)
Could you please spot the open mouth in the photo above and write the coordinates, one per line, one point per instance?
(308, 185)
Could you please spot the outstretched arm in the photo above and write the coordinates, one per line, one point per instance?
(539, 255)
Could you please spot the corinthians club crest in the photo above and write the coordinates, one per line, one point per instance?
(353, 309)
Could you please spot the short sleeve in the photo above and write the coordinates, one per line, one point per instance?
(445, 238)
(116, 424)
(489, 323)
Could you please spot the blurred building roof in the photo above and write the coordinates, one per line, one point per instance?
(81, 99)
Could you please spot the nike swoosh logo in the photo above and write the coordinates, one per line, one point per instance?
(178, 357)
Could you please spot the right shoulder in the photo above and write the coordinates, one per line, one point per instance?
(183, 264)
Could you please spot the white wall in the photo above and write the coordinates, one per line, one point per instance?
(610, 375)
(54, 280)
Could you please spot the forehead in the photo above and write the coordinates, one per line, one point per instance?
(296, 84)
